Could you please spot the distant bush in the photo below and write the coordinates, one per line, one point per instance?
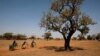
(89, 37)
(74, 38)
(1, 37)
(10, 36)
(80, 37)
(47, 35)
(21, 37)
(93, 36)
(32, 37)
(98, 37)
(39, 38)
(57, 38)
(50, 38)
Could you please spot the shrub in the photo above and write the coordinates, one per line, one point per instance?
(74, 38)
(98, 37)
(32, 37)
(47, 35)
(89, 37)
(57, 39)
(80, 37)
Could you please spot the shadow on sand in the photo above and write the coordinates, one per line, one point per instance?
(60, 49)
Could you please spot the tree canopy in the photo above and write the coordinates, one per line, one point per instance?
(66, 17)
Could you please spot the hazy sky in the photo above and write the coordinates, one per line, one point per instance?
(23, 16)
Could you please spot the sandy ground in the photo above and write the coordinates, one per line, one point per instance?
(51, 48)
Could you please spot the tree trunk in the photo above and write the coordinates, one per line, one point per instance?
(67, 40)
(65, 44)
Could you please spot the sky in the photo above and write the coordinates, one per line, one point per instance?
(23, 16)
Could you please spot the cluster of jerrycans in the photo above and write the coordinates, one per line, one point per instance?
(13, 46)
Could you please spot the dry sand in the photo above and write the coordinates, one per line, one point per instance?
(51, 48)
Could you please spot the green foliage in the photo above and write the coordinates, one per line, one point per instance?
(89, 37)
(21, 37)
(80, 37)
(74, 38)
(9, 36)
(93, 36)
(32, 37)
(98, 37)
(66, 18)
(1, 37)
(58, 39)
(47, 35)
(84, 30)
(51, 38)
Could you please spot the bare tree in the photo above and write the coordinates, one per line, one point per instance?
(65, 17)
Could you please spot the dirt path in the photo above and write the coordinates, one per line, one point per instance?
(51, 48)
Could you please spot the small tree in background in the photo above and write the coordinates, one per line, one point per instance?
(1, 36)
(81, 37)
(21, 36)
(65, 17)
(93, 36)
(8, 36)
(58, 39)
(32, 37)
(98, 37)
(89, 37)
(47, 35)
(84, 30)
(74, 38)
